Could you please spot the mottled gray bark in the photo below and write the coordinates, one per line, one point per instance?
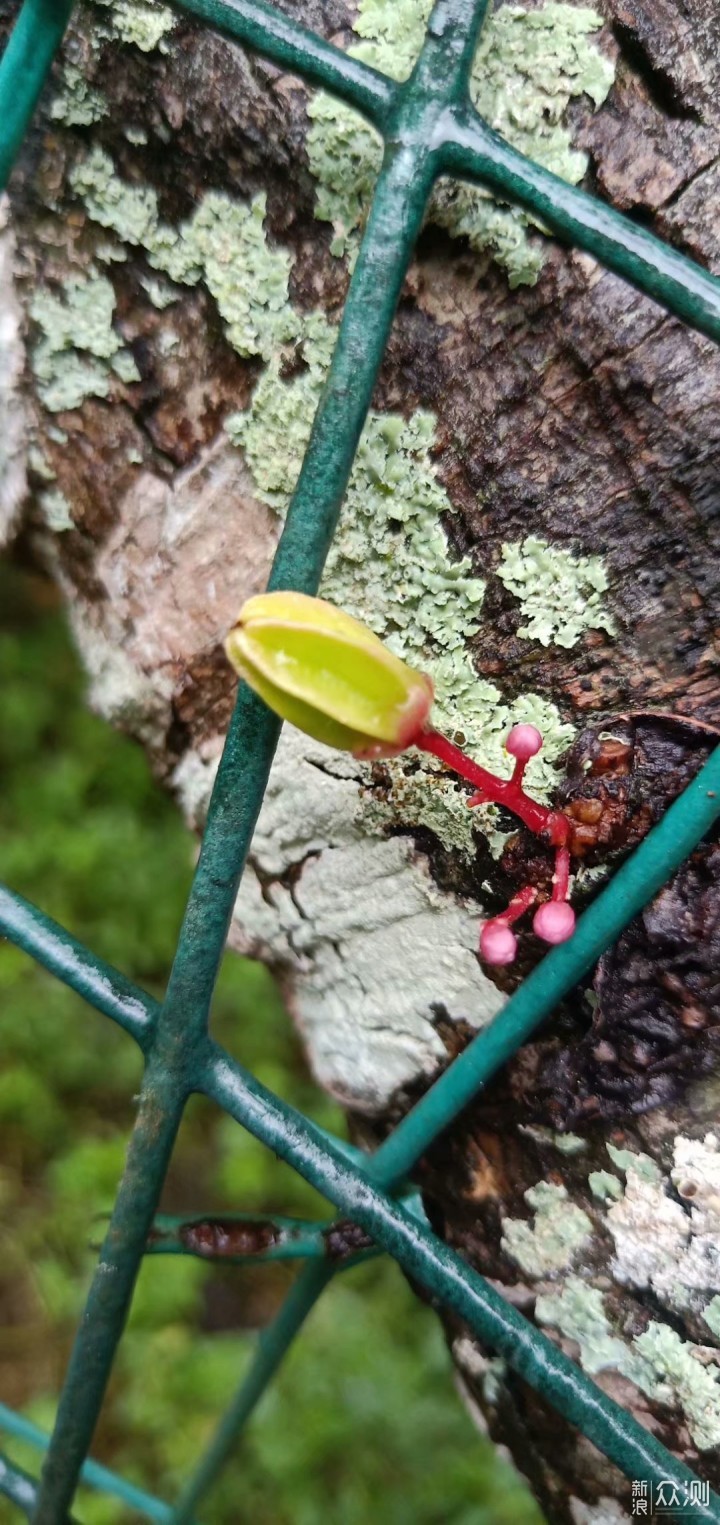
(587, 1182)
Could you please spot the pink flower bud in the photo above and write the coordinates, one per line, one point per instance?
(554, 922)
(498, 945)
(523, 742)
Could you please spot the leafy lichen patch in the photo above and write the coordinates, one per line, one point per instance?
(669, 1248)
(605, 1185)
(558, 1231)
(711, 1314)
(77, 103)
(528, 66)
(668, 1369)
(56, 510)
(629, 1160)
(560, 594)
(79, 348)
(223, 244)
(390, 562)
(143, 23)
(577, 1311)
(565, 1143)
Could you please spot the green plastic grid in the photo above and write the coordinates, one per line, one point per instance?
(429, 128)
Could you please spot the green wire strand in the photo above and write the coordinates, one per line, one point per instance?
(93, 1474)
(24, 67)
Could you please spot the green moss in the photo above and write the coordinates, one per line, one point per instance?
(561, 595)
(79, 347)
(78, 103)
(528, 67)
(558, 1231)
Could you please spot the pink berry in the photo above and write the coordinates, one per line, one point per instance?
(498, 945)
(554, 922)
(523, 742)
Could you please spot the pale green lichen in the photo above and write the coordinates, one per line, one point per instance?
(39, 464)
(604, 1185)
(79, 348)
(390, 566)
(140, 22)
(78, 103)
(670, 1371)
(223, 244)
(160, 293)
(566, 1143)
(390, 563)
(56, 510)
(665, 1367)
(528, 66)
(711, 1315)
(641, 1165)
(108, 252)
(423, 798)
(577, 1311)
(558, 1231)
(561, 594)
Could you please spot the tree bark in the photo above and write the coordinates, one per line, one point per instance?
(571, 413)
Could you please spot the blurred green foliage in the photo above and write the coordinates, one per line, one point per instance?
(363, 1423)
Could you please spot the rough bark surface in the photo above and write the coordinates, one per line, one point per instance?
(587, 1182)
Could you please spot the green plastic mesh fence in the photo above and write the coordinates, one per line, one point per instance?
(429, 129)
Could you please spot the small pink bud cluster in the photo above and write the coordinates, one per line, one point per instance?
(554, 921)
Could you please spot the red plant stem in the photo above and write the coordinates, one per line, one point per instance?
(551, 824)
(518, 905)
(561, 876)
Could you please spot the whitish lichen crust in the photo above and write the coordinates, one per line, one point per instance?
(358, 918)
(668, 1369)
(668, 1246)
(12, 418)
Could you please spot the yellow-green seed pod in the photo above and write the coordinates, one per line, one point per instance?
(328, 674)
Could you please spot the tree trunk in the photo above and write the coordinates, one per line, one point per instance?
(534, 518)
